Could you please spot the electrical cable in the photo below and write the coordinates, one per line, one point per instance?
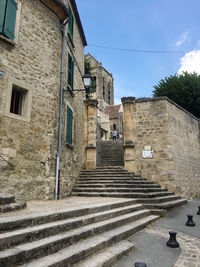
(136, 50)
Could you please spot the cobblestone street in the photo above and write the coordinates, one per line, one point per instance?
(151, 246)
(190, 247)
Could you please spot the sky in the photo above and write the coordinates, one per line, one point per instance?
(128, 35)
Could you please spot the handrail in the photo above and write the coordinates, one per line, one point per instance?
(7, 162)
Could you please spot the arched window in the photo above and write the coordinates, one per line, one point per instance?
(94, 84)
(109, 88)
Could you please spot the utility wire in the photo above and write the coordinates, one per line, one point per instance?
(136, 50)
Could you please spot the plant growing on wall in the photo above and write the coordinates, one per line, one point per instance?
(88, 70)
(184, 89)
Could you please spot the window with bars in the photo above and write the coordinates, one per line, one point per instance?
(8, 10)
(69, 125)
(70, 72)
(17, 100)
(71, 23)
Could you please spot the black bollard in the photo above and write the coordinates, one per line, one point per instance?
(190, 221)
(198, 212)
(172, 243)
(140, 264)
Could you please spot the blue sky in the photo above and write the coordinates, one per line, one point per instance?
(155, 25)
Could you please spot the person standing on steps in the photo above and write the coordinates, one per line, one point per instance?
(114, 135)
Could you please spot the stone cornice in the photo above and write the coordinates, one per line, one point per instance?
(91, 102)
(128, 100)
(58, 7)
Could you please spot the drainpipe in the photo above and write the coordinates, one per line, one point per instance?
(60, 115)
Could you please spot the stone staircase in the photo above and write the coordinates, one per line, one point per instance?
(8, 203)
(93, 235)
(117, 182)
(112, 153)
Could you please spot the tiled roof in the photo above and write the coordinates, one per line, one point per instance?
(113, 111)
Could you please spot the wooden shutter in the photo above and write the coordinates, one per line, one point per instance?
(2, 14)
(71, 23)
(9, 26)
(72, 84)
(70, 72)
(69, 129)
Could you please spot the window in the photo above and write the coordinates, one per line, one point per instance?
(71, 23)
(8, 10)
(70, 72)
(93, 85)
(17, 99)
(69, 126)
(103, 89)
(109, 93)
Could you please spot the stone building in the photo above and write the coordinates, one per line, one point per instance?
(103, 83)
(39, 57)
(115, 113)
(103, 92)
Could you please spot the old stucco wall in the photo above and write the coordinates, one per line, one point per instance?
(172, 134)
(31, 146)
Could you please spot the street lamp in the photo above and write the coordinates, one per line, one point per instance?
(87, 80)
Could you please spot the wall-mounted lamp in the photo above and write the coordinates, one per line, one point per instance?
(87, 80)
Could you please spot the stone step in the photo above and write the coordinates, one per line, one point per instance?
(158, 200)
(6, 199)
(105, 171)
(109, 170)
(142, 196)
(116, 189)
(110, 177)
(13, 206)
(28, 251)
(108, 174)
(166, 205)
(108, 180)
(114, 164)
(33, 233)
(110, 167)
(112, 157)
(119, 185)
(15, 222)
(108, 256)
(76, 252)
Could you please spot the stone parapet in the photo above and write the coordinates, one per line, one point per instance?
(90, 133)
(161, 143)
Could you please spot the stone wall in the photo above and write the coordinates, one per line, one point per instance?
(30, 145)
(161, 126)
(103, 79)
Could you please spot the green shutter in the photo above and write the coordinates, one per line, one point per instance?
(2, 13)
(71, 23)
(69, 125)
(72, 85)
(70, 72)
(9, 26)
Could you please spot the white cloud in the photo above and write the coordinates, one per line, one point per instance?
(182, 39)
(190, 62)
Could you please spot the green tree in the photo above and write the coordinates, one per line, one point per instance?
(183, 89)
(88, 70)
